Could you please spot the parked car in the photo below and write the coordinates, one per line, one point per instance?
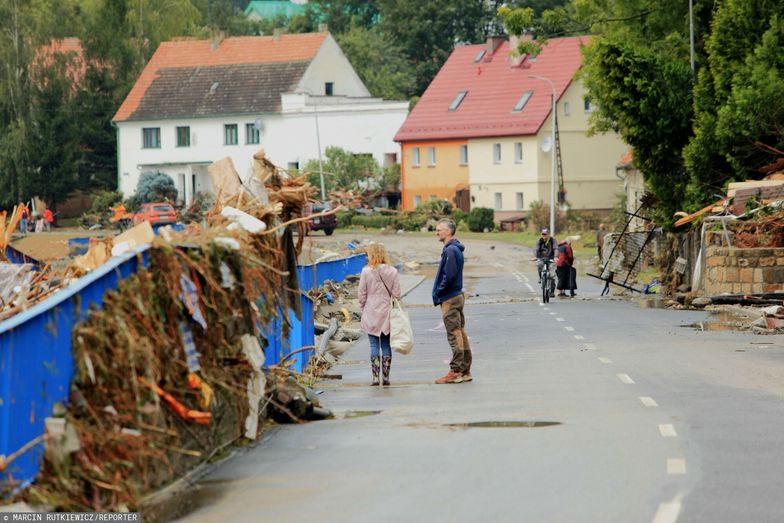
(327, 223)
(155, 213)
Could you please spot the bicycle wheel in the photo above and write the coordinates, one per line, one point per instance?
(545, 288)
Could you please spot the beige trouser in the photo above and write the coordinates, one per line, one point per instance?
(454, 321)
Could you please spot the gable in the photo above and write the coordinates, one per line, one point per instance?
(216, 90)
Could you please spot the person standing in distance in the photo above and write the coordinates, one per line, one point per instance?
(448, 294)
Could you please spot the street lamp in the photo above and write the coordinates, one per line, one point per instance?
(552, 153)
(318, 142)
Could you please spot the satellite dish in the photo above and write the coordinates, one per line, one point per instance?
(547, 144)
(259, 125)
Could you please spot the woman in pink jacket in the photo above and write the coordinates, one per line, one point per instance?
(377, 284)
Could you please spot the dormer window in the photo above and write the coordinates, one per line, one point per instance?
(458, 99)
(522, 101)
(480, 55)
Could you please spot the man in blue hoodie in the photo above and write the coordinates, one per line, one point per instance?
(448, 294)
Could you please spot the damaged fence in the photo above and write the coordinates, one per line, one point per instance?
(36, 359)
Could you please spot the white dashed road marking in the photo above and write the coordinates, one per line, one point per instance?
(570, 329)
(676, 466)
(529, 287)
(560, 319)
(648, 402)
(625, 379)
(605, 360)
(578, 337)
(668, 512)
(667, 430)
(590, 346)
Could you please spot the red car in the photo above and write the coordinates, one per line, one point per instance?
(156, 214)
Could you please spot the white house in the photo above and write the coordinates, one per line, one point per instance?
(198, 101)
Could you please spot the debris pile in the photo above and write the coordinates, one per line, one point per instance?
(169, 371)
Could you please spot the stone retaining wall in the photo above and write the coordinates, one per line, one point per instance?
(743, 270)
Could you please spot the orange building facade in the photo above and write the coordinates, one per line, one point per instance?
(433, 170)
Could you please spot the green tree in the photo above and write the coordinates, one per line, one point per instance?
(428, 31)
(738, 101)
(155, 187)
(379, 62)
(344, 170)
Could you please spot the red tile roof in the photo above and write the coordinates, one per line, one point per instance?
(77, 68)
(231, 51)
(494, 88)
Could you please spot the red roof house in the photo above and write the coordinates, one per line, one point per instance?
(483, 114)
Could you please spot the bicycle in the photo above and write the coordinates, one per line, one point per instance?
(547, 281)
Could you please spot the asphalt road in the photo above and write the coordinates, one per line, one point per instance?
(625, 414)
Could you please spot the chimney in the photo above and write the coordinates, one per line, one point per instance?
(278, 32)
(216, 37)
(493, 42)
(515, 58)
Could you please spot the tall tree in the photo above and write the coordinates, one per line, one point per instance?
(379, 62)
(738, 98)
(428, 31)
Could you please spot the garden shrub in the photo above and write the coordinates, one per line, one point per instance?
(480, 218)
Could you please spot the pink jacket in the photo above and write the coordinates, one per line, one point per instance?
(374, 298)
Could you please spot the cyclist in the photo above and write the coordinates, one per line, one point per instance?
(545, 250)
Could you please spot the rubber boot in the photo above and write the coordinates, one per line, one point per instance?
(386, 363)
(374, 368)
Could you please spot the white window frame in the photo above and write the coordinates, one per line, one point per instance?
(499, 201)
(567, 109)
(497, 153)
(463, 155)
(520, 201)
(417, 201)
(431, 156)
(415, 159)
(518, 154)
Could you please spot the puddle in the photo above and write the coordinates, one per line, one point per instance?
(503, 424)
(721, 321)
(359, 413)
(651, 303)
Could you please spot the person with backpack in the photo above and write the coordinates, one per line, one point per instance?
(564, 263)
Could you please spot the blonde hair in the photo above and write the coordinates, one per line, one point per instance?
(376, 255)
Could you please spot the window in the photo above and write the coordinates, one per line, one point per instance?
(151, 138)
(518, 152)
(415, 156)
(431, 156)
(230, 134)
(519, 201)
(522, 101)
(417, 200)
(567, 109)
(463, 155)
(496, 153)
(479, 56)
(328, 86)
(252, 135)
(183, 136)
(293, 166)
(499, 201)
(588, 105)
(458, 99)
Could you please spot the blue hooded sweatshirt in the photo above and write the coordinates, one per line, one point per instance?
(449, 278)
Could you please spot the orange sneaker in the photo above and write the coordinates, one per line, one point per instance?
(451, 377)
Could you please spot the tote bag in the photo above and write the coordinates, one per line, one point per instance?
(401, 336)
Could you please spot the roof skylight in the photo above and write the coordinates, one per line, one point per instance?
(522, 101)
(480, 55)
(458, 99)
